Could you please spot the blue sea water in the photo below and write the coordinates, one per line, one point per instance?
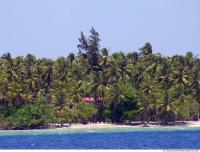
(126, 138)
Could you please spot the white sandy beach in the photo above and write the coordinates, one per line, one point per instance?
(99, 125)
(193, 123)
(110, 125)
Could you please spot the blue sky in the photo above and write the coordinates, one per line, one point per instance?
(51, 28)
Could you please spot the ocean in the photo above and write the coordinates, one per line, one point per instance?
(122, 138)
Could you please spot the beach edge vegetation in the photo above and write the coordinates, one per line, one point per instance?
(93, 86)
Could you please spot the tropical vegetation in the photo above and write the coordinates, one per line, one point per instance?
(135, 86)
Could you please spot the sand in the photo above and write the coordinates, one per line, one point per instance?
(192, 123)
(136, 125)
(99, 125)
(106, 125)
(110, 125)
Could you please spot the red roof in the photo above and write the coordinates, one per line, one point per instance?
(89, 99)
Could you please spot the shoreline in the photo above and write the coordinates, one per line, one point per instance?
(110, 125)
(114, 126)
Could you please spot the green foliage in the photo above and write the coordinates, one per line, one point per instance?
(85, 112)
(129, 92)
(184, 111)
(107, 114)
(138, 86)
(31, 115)
(129, 115)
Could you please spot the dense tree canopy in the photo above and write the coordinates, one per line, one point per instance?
(125, 87)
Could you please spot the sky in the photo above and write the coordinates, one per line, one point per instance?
(51, 28)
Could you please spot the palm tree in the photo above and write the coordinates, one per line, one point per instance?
(195, 81)
(114, 99)
(145, 107)
(97, 88)
(167, 108)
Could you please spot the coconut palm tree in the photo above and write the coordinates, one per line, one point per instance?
(167, 107)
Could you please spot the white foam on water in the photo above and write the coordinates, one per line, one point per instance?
(64, 131)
